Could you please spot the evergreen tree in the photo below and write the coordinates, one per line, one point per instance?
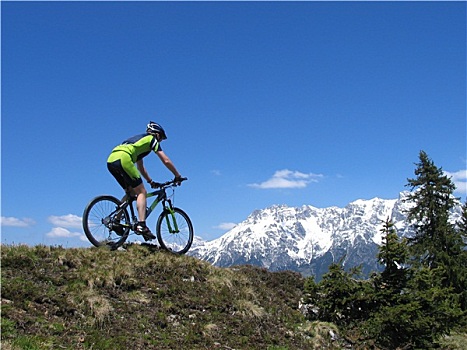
(413, 308)
(334, 289)
(462, 264)
(463, 224)
(433, 199)
(437, 245)
(436, 308)
(340, 298)
(391, 312)
(393, 254)
(417, 318)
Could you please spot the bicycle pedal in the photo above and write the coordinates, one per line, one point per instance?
(119, 230)
(148, 236)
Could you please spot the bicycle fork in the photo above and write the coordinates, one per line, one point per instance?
(171, 220)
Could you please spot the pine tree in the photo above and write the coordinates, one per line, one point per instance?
(413, 307)
(393, 254)
(437, 249)
(391, 313)
(463, 223)
(433, 200)
(436, 308)
(335, 289)
(462, 263)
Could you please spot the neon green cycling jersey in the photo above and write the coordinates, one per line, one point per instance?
(139, 146)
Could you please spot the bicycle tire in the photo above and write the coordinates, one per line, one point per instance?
(176, 242)
(96, 219)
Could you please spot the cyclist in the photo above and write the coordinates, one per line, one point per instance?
(121, 164)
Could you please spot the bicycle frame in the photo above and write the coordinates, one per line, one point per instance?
(161, 196)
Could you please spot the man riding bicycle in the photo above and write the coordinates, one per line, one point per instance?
(121, 164)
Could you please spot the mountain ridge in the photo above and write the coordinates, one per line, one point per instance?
(307, 239)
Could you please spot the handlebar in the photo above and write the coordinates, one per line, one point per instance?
(174, 182)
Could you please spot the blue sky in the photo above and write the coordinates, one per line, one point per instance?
(317, 103)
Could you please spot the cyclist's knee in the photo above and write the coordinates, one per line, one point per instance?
(140, 189)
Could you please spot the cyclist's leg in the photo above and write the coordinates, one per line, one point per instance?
(141, 202)
(124, 171)
(115, 168)
(128, 193)
(121, 163)
(122, 168)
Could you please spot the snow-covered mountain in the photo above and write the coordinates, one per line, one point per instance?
(307, 239)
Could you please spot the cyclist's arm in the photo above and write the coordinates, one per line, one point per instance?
(142, 170)
(168, 163)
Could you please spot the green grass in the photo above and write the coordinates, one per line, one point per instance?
(90, 298)
(94, 298)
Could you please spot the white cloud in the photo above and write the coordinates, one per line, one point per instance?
(60, 232)
(288, 179)
(70, 220)
(62, 224)
(226, 226)
(12, 221)
(459, 178)
(216, 172)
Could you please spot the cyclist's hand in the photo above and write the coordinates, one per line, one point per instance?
(155, 184)
(178, 180)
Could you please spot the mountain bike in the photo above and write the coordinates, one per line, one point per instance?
(108, 220)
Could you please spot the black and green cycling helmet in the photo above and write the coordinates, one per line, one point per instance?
(156, 128)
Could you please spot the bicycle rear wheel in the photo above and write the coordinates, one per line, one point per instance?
(174, 231)
(103, 224)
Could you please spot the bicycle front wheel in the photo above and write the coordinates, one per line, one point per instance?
(104, 224)
(174, 231)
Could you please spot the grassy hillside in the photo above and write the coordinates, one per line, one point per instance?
(141, 298)
(56, 298)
